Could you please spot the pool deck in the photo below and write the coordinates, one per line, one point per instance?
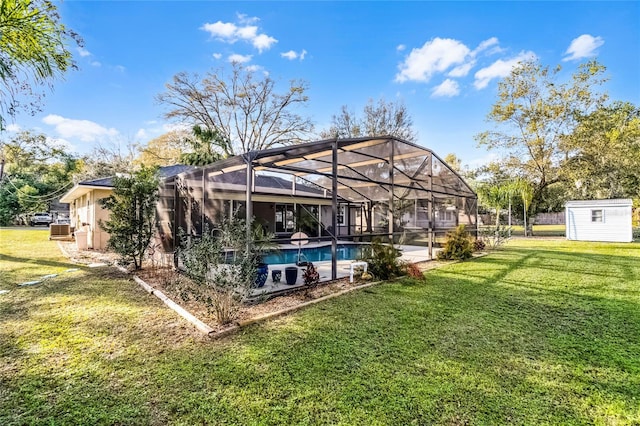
(409, 254)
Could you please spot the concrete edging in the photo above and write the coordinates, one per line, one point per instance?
(206, 329)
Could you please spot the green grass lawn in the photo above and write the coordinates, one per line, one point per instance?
(540, 332)
(541, 230)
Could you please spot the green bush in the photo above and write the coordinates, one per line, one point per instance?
(384, 260)
(458, 245)
(636, 233)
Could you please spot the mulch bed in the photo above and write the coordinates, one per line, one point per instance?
(168, 281)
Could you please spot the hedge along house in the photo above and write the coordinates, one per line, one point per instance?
(599, 220)
(335, 191)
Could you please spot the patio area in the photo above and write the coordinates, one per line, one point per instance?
(411, 254)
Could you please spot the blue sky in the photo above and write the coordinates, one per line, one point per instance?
(442, 59)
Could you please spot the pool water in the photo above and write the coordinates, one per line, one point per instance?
(313, 254)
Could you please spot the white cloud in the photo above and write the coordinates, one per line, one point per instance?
(447, 88)
(462, 70)
(83, 52)
(85, 130)
(223, 30)
(441, 55)
(253, 68)
(484, 45)
(61, 144)
(292, 54)
(120, 68)
(239, 59)
(229, 32)
(141, 134)
(433, 57)
(263, 41)
(247, 33)
(13, 128)
(246, 19)
(217, 55)
(95, 64)
(583, 47)
(499, 69)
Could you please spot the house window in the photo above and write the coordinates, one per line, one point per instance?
(285, 218)
(341, 216)
(597, 216)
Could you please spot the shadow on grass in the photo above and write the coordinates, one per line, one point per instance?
(496, 346)
(36, 261)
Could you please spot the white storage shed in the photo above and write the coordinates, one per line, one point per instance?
(599, 220)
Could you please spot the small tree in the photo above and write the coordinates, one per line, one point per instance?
(495, 196)
(131, 222)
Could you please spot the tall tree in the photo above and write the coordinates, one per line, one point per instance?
(535, 113)
(34, 51)
(453, 161)
(132, 213)
(605, 153)
(108, 159)
(164, 150)
(379, 118)
(242, 107)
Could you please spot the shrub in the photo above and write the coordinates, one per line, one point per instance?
(457, 246)
(636, 233)
(494, 236)
(384, 260)
(479, 245)
(222, 267)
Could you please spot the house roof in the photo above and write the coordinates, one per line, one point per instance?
(86, 186)
(600, 203)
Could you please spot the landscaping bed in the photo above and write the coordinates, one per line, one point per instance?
(172, 284)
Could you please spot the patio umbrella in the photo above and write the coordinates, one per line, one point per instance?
(299, 239)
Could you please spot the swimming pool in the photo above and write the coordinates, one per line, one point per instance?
(314, 254)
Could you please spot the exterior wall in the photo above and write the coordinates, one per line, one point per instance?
(86, 212)
(615, 226)
(100, 237)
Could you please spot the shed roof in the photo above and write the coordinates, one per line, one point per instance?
(622, 202)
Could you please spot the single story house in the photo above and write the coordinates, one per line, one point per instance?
(86, 212)
(599, 220)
